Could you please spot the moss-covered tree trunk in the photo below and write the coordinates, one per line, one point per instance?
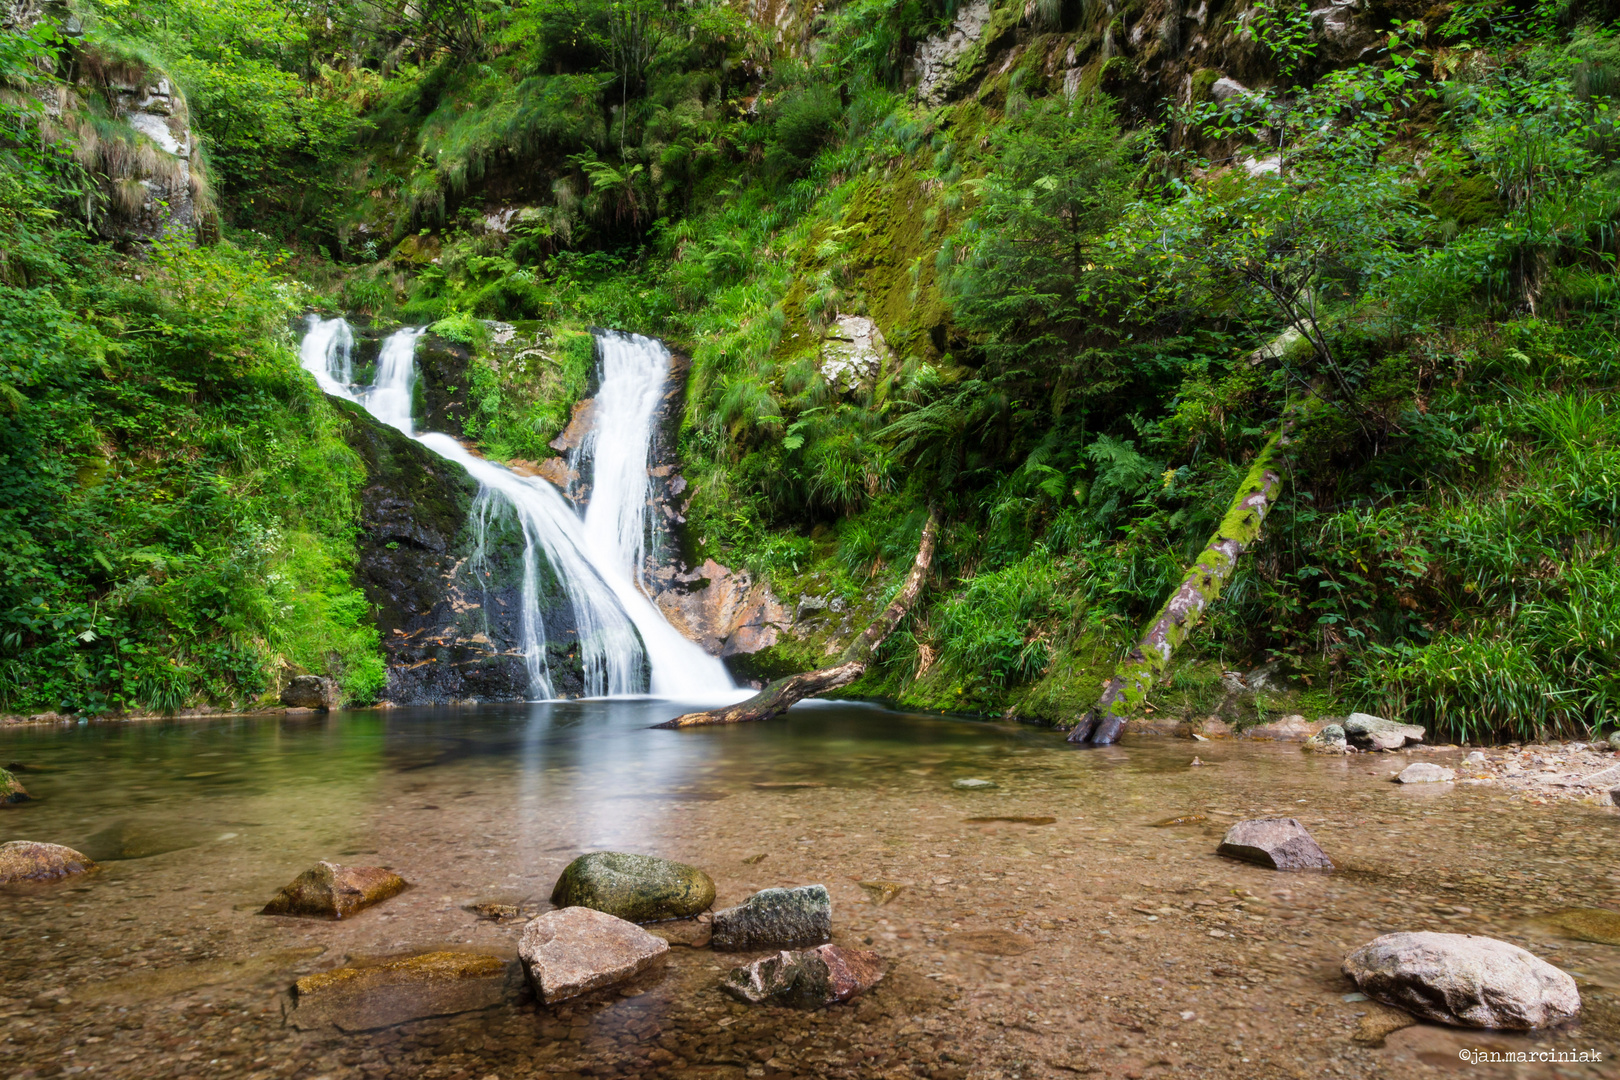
(1125, 693)
(783, 694)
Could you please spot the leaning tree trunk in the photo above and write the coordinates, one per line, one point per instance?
(1124, 694)
(783, 694)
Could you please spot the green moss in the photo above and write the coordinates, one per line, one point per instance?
(1203, 84)
(1466, 200)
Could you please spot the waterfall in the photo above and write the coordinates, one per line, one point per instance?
(621, 632)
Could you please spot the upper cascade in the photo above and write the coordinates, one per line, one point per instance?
(626, 645)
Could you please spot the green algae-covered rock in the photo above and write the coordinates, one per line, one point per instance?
(640, 888)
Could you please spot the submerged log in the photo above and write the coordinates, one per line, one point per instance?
(1124, 695)
(782, 694)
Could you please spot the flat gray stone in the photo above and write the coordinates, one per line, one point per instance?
(1464, 980)
(775, 919)
(1425, 772)
(1276, 843)
(973, 784)
(1380, 734)
(577, 949)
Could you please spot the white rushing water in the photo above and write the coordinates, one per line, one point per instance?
(597, 559)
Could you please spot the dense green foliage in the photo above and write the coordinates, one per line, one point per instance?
(176, 522)
(1097, 301)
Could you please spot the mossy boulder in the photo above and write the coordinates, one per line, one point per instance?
(638, 888)
(11, 789)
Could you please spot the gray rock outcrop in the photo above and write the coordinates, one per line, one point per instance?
(312, 692)
(576, 950)
(1464, 980)
(1376, 733)
(775, 919)
(1277, 843)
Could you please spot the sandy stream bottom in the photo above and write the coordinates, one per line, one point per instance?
(1096, 945)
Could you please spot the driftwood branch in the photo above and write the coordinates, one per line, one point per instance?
(783, 694)
(1124, 695)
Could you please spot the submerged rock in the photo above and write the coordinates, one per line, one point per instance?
(775, 919)
(578, 949)
(805, 980)
(640, 888)
(1585, 924)
(972, 784)
(130, 838)
(881, 892)
(1330, 740)
(1278, 843)
(329, 891)
(1425, 772)
(399, 991)
(26, 860)
(1464, 980)
(1288, 729)
(1376, 733)
(312, 692)
(688, 933)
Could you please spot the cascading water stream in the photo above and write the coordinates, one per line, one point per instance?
(620, 630)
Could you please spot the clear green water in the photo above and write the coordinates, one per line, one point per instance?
(1097, 941)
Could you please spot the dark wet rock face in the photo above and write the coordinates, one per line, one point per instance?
(441, 385)
(576, 950)
(447, 601)
(399, 991)
(775, 919)
(640, 888)
(329, 891)
(809, 979)
(26, 860)
(1277, 843)
(311, 692)
(1464, 980)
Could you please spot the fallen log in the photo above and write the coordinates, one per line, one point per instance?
(1124, 695)
(782, 694)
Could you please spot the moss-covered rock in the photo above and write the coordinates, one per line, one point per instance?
(639, 888)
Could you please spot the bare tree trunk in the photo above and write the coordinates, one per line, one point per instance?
(783, 694)
(1125, 693)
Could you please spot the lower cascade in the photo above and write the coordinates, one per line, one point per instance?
(626, 645)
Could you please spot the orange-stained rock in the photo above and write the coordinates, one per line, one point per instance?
(363, 998)
(25, 860)
(329, 891)
(723, 610)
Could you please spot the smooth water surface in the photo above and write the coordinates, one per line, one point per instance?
(1020, 946)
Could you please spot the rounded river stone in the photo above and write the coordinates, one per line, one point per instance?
(640, 888)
